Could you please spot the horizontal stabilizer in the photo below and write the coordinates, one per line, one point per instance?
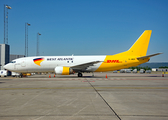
(149, 56)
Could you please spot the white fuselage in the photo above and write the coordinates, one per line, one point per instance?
(50, 62)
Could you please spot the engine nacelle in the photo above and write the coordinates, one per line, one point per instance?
(63, 70)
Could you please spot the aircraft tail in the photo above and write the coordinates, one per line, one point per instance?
(140, 47)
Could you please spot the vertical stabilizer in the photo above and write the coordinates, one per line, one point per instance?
(140, 47)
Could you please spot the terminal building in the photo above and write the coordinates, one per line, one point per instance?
(4, 55)
(12, 57)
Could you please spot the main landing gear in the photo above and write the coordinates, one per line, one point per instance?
(80, 74)
(21, 75)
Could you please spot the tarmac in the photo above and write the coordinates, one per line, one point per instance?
(120, 96)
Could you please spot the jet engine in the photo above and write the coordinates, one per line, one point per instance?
(63, 70)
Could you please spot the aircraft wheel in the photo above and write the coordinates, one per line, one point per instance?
(80, 75)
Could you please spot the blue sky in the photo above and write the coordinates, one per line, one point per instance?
(86, 27)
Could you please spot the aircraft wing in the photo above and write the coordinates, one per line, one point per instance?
(83, 67)
(143, 57)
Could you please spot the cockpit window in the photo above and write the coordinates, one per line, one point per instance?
(13, 62)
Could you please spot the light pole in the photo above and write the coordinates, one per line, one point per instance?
(26, 38)
(37, 54)
(6, 7)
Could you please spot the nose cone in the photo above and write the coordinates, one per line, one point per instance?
(7, 67)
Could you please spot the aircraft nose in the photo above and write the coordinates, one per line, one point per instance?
(7, 67)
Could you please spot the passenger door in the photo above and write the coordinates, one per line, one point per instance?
(23, 63)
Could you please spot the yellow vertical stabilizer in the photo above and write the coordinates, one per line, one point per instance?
(140, 47)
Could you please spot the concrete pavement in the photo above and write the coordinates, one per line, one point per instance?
(118, 97)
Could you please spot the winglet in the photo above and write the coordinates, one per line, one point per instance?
(143, 57)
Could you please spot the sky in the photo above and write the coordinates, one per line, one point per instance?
(85, 27)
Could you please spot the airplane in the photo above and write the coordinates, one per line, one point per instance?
(66, 65)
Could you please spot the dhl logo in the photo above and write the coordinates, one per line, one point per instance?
(114, 61)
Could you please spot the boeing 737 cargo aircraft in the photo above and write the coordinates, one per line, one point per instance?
(65, 65)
